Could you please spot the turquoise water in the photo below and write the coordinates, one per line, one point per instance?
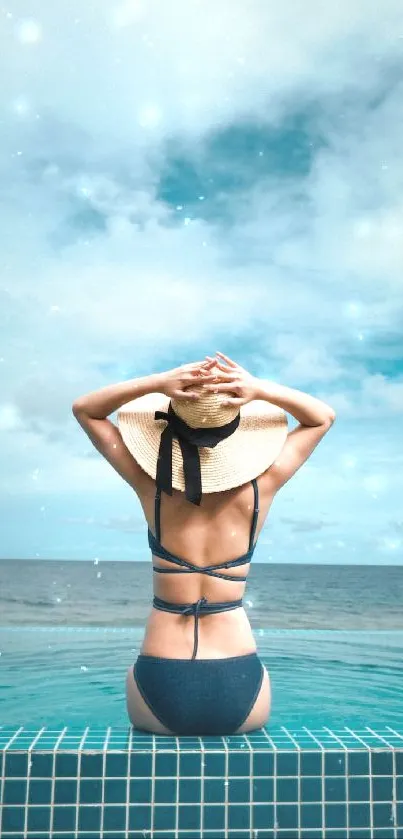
(74, 676)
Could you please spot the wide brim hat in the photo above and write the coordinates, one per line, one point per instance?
(242, 456)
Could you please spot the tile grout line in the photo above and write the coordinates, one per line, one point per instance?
(226, 785)
(275, 750)
(394, 796)
(371, 801)
(76, 832)
(203, 758)
(52, 793)
(339, 740)
(104, 752)
(29, 764)
(299, 828)
(252, 831)
(357, 737)
(153, 753)
(379, 737)
(176, 789)
(323, 752)
(3, 780)
(400, 736)
(128, 770)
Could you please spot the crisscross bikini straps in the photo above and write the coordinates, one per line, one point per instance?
(201, 606)
(157, 513)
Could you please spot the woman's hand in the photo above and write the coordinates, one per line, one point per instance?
(174, 383)
(233, 378)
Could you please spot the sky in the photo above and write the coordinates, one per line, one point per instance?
(182, 177)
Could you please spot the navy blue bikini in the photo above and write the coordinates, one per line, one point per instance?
(199, 696)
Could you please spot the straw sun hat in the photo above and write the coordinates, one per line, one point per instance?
(201, 446)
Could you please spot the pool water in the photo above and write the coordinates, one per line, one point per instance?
(75, 676)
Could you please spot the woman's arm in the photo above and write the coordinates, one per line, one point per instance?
(307, 409)
(315, 419)
(173, 383)
(314, 416)
(91, 412)
(100, 403)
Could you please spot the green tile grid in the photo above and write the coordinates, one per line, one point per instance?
(95, 783)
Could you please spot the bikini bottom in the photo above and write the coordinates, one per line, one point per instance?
(200, 696)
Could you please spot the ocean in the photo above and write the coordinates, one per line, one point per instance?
(119, 594)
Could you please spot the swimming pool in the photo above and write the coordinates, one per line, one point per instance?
(329, 764)
(76, 676)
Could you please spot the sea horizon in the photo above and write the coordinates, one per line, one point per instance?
(119, 593)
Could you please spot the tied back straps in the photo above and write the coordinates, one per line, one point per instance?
(189, 439)
(199, 606)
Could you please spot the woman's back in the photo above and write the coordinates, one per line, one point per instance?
(213, 534)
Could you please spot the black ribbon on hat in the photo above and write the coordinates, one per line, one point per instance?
(189, 439)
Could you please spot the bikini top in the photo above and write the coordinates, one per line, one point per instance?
(201, 606)
(186, 566)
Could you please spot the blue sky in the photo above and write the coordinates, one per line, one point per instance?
(180, 178)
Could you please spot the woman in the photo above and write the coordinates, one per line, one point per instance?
(205, 447)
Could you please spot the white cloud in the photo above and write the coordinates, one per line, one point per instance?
(295, 264)
(375, 397)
